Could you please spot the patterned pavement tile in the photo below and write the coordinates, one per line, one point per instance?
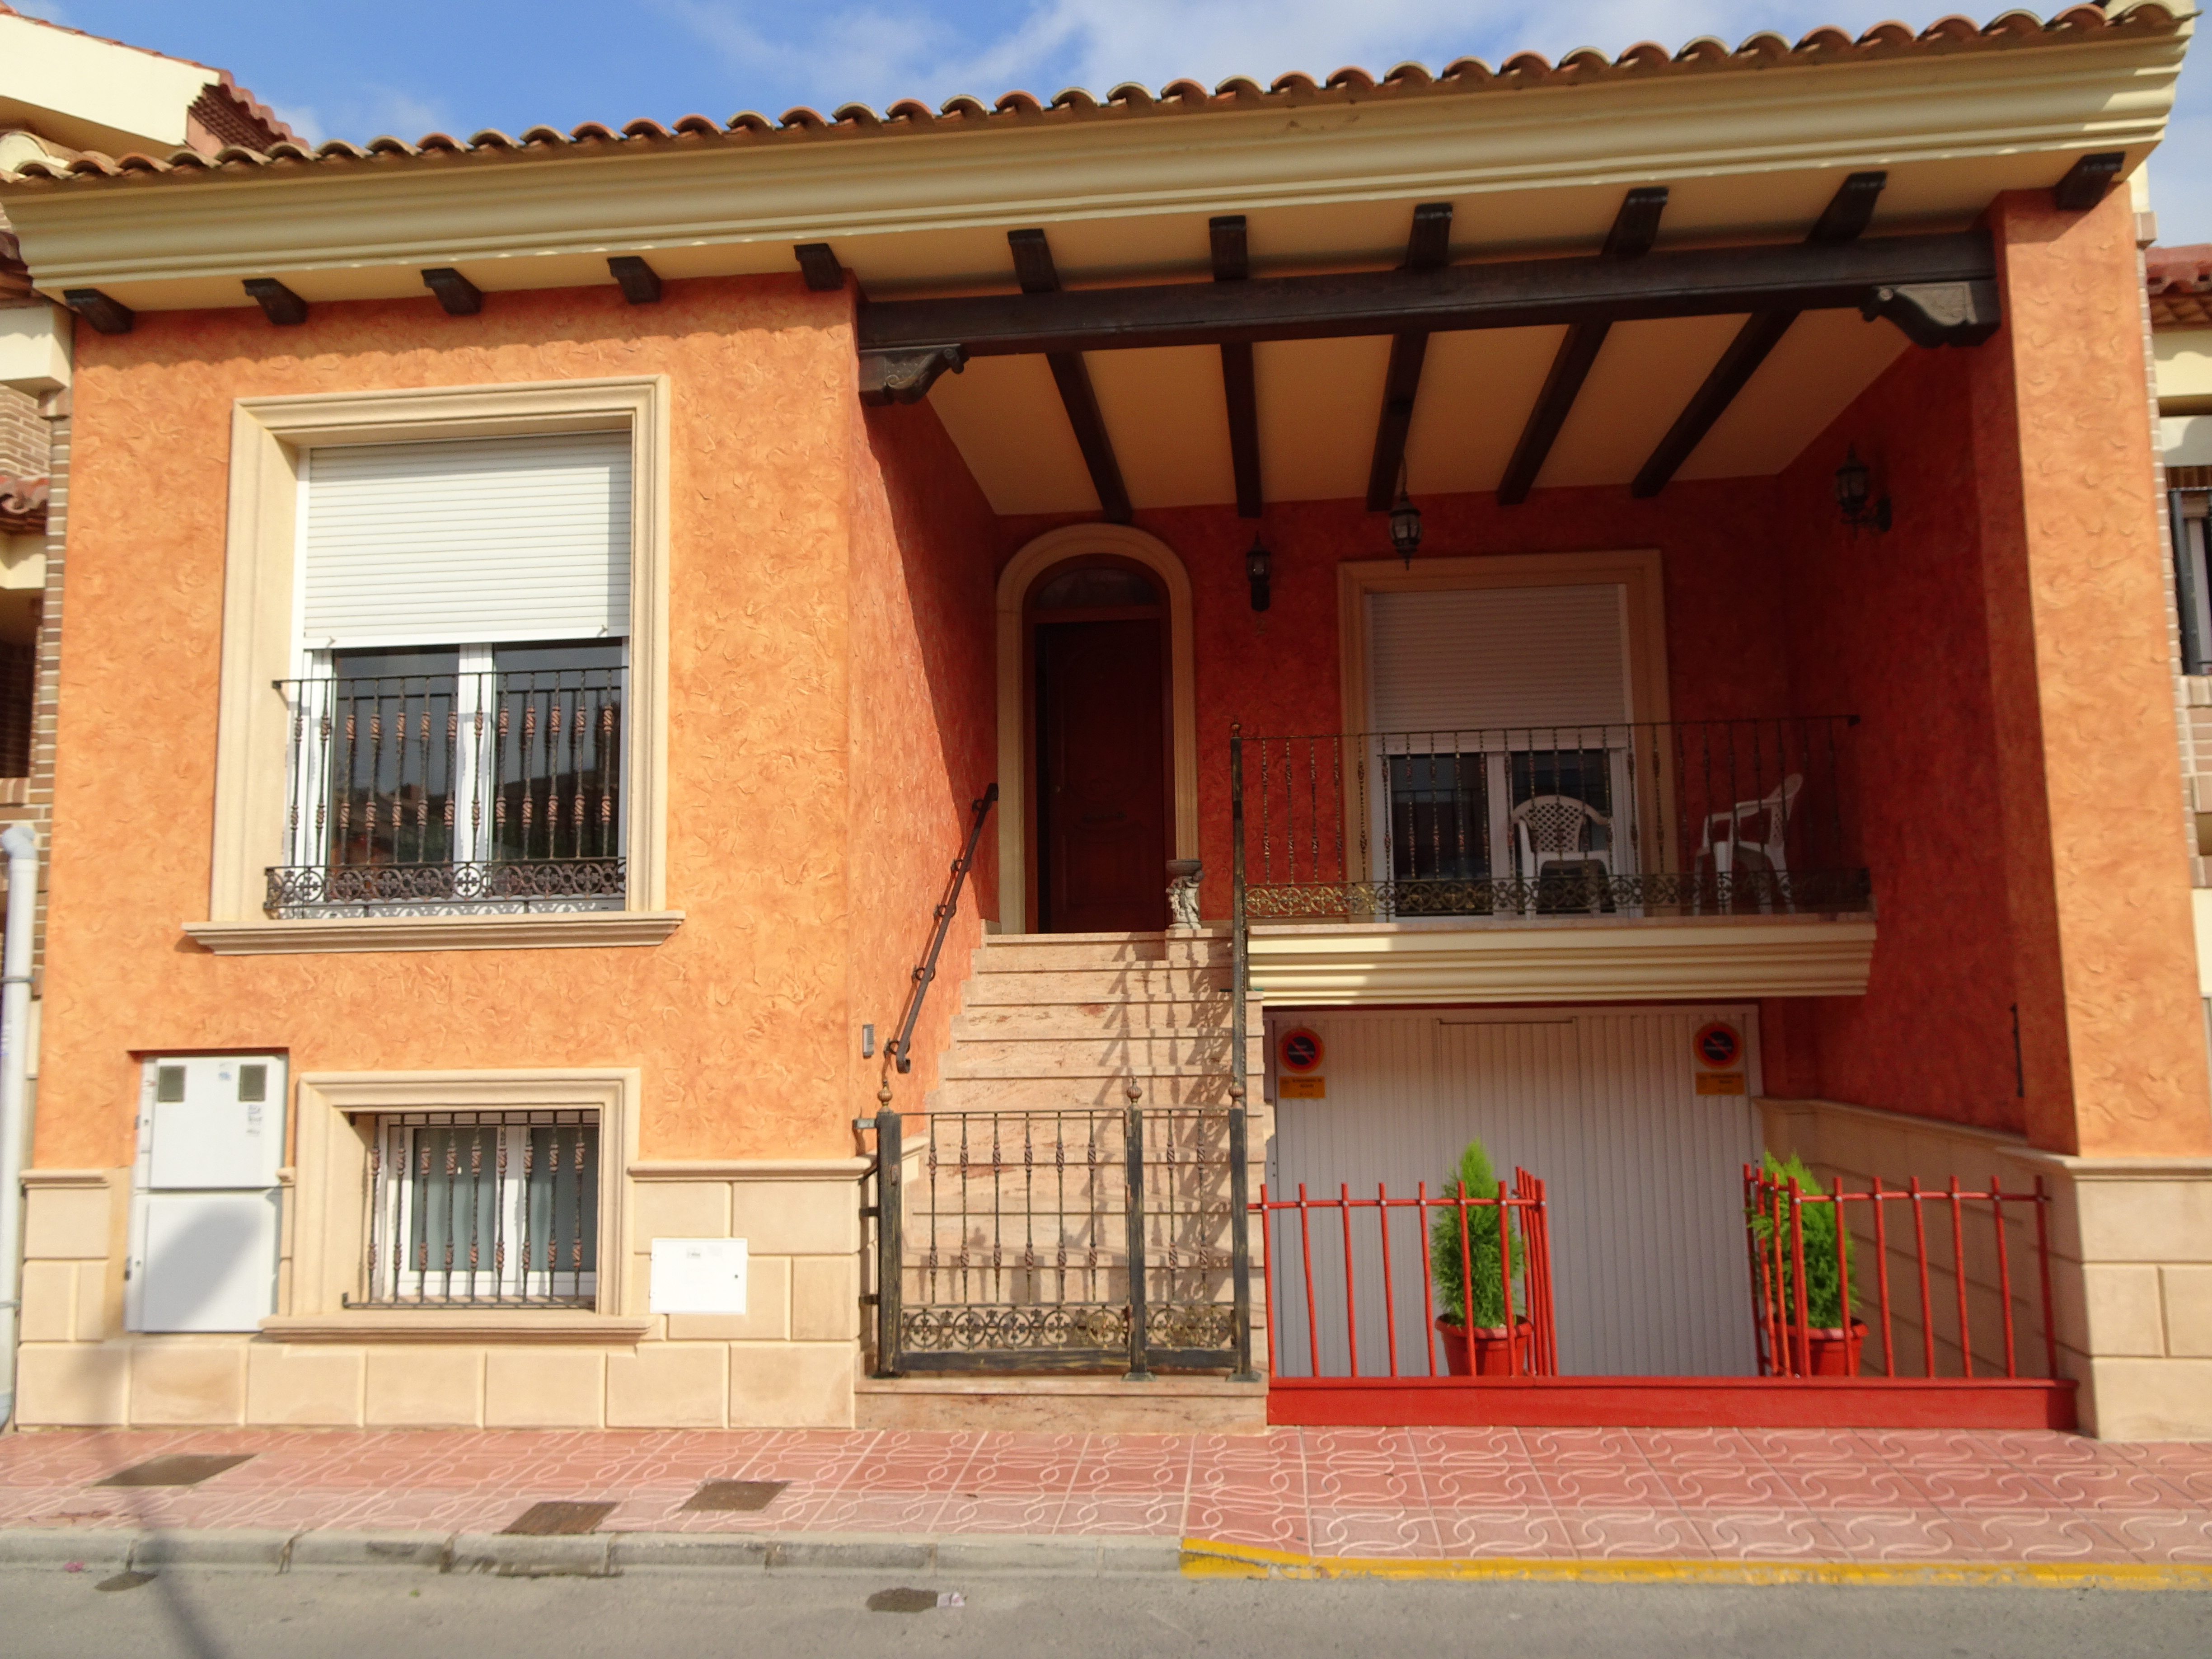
(2174, 1535)
(1901, 1535)
(2039, 1536)
(1532, 1535)
(1119, 1516)
(1768, 1535)
(1507, 1489)
(1589, 1485)
(1722, 1486)
(1397, 1532)
(1033, 1514)
(1634, 1533)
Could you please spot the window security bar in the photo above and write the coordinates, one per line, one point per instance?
(482, 1209)
(453, 793)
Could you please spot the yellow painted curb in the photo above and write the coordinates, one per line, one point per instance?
(1205, 1559)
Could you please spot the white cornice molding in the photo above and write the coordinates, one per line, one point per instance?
(2099, 93)
(1599, 960)
(582, 930)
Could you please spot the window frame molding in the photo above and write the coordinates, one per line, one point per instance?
(327, 1223)
(267, 435)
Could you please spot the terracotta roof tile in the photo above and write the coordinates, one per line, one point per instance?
(1825, 45)
(2181, 282)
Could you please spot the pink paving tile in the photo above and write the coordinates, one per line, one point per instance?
(1970, 1488)
(864, 1512)
(1901, 1535)
(1699, 1447)
(1605, 1448)
(1150, 1517)
(2037, 1535)
(1366, 1487)
(1720, 1485)
(1633, 1533)
(2184, 1535)
(1583, 1485)
(1476, 1533)
(1797, 1447)
(1474, 1488)
(1770, 1535)
(1022, 1515)
(1132, 1464)
(1446, 1445)
(1375, 1532)
(1828, 1487)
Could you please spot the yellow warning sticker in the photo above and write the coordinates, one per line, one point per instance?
(1302, 1088)
(1720, 1083)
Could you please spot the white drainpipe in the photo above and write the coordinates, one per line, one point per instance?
(20, 843)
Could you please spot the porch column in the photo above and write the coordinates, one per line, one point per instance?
(2105, 966)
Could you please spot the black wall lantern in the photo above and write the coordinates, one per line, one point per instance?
(1256, 563)
(1405, 523)
(1854, 484)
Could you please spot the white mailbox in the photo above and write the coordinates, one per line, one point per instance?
(204, 1216)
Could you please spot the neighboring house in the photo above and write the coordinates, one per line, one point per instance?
(1627, 597)
(62, 94)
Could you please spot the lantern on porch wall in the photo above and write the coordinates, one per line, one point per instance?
(1854, 484)
(1256, 564)
(1406, 527)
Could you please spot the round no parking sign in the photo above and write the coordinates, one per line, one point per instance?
(1717, 1044)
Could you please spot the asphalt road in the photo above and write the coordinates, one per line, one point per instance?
(398, 1614)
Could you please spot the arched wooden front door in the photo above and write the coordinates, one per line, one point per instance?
(1096, 631)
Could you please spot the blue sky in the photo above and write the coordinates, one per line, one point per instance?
(413, 66)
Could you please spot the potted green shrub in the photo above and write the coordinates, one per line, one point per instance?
(1455, 1254)
(1830, 1341)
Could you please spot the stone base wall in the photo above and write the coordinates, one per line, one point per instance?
(790, 1361)
(2131, 1254)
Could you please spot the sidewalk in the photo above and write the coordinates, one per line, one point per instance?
(1407, 1500)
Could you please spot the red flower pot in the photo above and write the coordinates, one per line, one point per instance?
(1496, 1352)
(1829, 1353)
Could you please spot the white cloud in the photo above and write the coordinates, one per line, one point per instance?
(45, 10)
(303, 119)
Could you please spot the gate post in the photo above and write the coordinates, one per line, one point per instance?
(1240, 976)
(1240, 1237)
(1134, 1142)
(891, 1236)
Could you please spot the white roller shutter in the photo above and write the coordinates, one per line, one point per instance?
(1469, 659)
(475, 540)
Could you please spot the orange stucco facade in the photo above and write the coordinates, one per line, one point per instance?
(829, 741)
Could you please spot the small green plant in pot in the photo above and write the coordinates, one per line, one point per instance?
(1470, 1275)
(1831, 1338)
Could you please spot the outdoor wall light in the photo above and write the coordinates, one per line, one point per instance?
(1256, 563)
(1405, 526)
(1854, 484)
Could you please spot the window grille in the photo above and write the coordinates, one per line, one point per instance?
(483, 1209)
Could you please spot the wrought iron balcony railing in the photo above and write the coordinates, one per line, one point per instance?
(435, 794)
(1682, 818)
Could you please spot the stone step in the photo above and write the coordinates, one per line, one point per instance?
(1009, 1094)
(1030, 1020)
(1156, 983)
(1030, 952)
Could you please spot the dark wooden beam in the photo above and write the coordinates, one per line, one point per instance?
(459, 296)
(1518, 294)
(1232, 263)
(819, 266)
(1635, 228)
(1038, 275)
(1428, 248)
(108, 316)
(2086, 182)
(639, 281)
(278, 303)
(1849, 212)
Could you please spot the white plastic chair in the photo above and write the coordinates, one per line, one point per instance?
(1775, 806)
(1552, 829)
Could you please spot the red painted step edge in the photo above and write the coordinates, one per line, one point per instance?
(1674, 1403)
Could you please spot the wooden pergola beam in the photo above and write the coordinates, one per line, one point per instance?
(1952, 276)
(1428, 248)
(1039, 276)
(1848, 213)
(1635, 227)
(1232, 263)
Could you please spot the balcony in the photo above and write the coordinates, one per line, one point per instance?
(448, 794)
(1685, 859)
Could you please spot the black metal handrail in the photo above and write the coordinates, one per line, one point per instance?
(901, 1047)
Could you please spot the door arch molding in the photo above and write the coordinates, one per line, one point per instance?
(1055, 547)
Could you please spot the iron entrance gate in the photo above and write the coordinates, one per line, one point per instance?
(1083, 1239)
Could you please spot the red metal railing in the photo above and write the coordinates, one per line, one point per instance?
(1776, 1213)
(1372, 1254)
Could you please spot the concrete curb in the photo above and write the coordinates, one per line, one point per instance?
(588, 1555)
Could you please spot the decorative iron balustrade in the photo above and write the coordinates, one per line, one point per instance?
(453, 793)
(1076, 1239)
(1707, 817)
(482, 1209)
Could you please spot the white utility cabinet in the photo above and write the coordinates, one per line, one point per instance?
(204, 1211)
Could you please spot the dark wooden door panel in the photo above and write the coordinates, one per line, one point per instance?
(1102, 785)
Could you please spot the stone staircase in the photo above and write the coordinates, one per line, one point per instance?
(1068, 1019)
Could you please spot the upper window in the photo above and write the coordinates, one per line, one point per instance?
(457, 709)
